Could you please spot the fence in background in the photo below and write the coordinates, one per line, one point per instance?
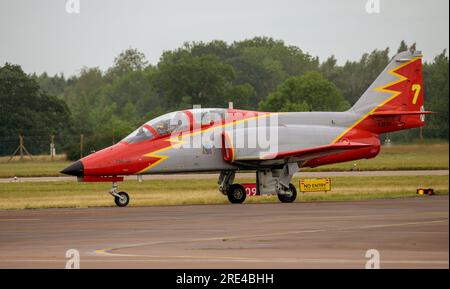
(24, 146)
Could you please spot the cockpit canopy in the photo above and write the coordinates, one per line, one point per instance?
(177, 121)
(138, 135)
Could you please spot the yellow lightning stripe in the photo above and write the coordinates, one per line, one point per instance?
(155, 155)
(383, 88)
(177, 141)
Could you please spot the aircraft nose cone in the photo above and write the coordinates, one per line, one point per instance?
(75, 169)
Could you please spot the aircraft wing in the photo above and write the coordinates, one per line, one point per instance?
(313, 152)
(305, 154)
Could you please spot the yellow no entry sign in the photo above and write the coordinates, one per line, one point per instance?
(315, 185)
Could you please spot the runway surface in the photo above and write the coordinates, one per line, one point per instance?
(247, 175)
(408, 233)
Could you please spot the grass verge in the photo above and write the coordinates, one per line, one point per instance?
(182, 192)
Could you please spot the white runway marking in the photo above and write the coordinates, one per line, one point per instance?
(13, 220)
(108, 251)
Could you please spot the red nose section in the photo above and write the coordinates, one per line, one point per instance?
(117, 160)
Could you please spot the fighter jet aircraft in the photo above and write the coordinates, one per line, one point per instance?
(274, 145)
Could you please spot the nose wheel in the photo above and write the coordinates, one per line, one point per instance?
(120, 198)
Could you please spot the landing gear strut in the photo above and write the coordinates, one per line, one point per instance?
(226, 179)
(120, 198)
(235, 192)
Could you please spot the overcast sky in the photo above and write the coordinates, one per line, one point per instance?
(41, 36)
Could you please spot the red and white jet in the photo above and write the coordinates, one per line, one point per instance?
(275, 145)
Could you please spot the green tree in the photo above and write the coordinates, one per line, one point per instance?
(128, 60)
(218, 48)
(26, 109)
(330, 70)
(402, 47)
(436, 96)
(134, 88)
(264, 63)
(82, 95)
(305, 93)
(260, 71)
(356, 76)
(53, 85)
(261, 62)
(240, 95)
(183, 80)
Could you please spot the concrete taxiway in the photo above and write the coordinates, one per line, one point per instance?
(408, 233)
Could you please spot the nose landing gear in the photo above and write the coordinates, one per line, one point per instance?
(120, 198)
(235, 192)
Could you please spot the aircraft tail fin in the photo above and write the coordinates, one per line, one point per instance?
(395, 99)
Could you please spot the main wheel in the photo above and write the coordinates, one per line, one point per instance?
(123, 200)
(236, 194)
(289, 197)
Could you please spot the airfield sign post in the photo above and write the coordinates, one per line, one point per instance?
(315, 185)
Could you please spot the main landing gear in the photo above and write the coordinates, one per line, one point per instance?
(268, 182)
(289, 195)
(278, 180)
(120, 198)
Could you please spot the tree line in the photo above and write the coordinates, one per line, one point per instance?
(259, 73)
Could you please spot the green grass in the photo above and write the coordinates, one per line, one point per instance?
(32, 169)
(397, 157)
(181, 192)
(39, 166)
